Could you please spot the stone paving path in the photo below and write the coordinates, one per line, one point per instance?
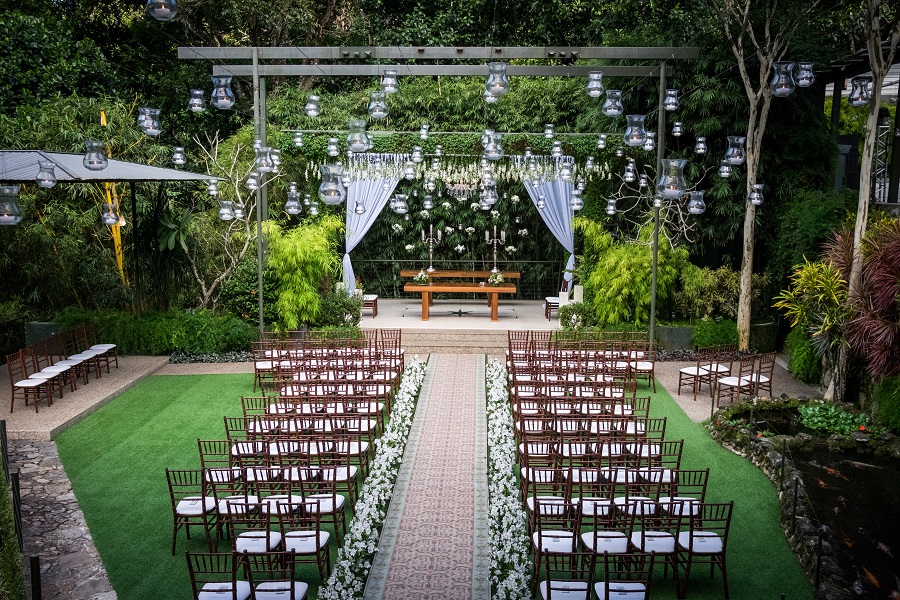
(54, 526)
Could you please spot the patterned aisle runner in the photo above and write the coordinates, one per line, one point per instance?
(434, 541)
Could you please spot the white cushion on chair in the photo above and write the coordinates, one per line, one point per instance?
(102, 347)
(276, 590)
(30, 383)
(255, 542)
(565, 590)
(195, 506)
(705, 542)
(622, 590)
(222, 591)
(694, 371)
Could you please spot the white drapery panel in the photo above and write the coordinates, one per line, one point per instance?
(374, 194)
(557, 214)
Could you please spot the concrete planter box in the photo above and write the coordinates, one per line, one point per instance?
(674, 338)
(764, 336)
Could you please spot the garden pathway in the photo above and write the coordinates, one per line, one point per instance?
(434, 544)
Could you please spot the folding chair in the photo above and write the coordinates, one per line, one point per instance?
(214, 576)
(705, 540)
(192, 504)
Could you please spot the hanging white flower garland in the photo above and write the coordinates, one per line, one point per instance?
(348, 577)
(510, 562)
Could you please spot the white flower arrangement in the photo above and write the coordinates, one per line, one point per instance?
(421, 277)
(523, 232)
(448, 230)
(474, 206)
(445, 205)
(397, 227)
(510, 561)
(511, 249)
(470, 230)
(423, 214)
(495, 213)
(348, 577)
(514, 199)
(409, 247)
(460, 248)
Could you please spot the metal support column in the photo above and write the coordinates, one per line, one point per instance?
(257, 126)
(660, 153)
(136, 279)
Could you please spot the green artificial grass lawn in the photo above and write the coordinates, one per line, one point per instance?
(116, 459)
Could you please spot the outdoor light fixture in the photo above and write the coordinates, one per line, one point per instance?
(252, 182)
(94, 156)
(649, 141)
(298, 139)
(565, 172)
(576, 202)
(677, 129)
(805, 75)
(417, 156)
(178, 155)
(756, 194)
(657, 201)
(151, 124)
(226, 210)
(46, 178)
(109, 215)
(696, 205)
(859, 93)
(557, 150)
(589, 163)
(400, 206)
(620, 153)
(595, 84)
(314, 208)
(724, 169)
(378, 108)
(670, 102)
(671, 182)
(548, 131)
(357, 139)
(264, 163)
(700, 146)
(212, 188)
(292, 204)
(494, 149)
(10, 212)
(541, 203)
(312, 106)
(486, 137)
(222, 97)
(332, 148)
(735, 153)
(162, 10)
(630, 172)
(613, 105)
(389, 82)
(143, 117)
(610, 207)
(497, 83)
(197, 103)
(427, 202)
(634, 132)
(423, 131)
(782, 83)
(346, 180)
(643, 180)
(238, 210)
(409, 170)
(601, 141)
(331, 191)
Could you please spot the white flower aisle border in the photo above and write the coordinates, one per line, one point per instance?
(510, 560)
(348, 577)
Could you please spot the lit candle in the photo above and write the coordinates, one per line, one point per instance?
(487, 237)
(423, 235)
(502, 237)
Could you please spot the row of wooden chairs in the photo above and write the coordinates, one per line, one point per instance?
(714, 368)
(242, 576)
(41, 369)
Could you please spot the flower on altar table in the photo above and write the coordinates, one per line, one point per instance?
(496, 279)
(397, 227)
(511, 249)
(460, 248)
(409, 247)
(470, 230)
(523, 232)
(421, 277)
(445, 204)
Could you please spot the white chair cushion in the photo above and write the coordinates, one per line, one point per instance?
(621, 590)
(30, 383)
(280, 591)
(694, 371)
(222, 591)
(103, 347)
(565, 590)
(195, 506)
(326, 503)
(304, 542)
(554, 542)
(255, 542)
(614, 542)
(705, 542)
(369, 297)
(660, 542)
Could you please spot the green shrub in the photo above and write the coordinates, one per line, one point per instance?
(712, 293)
(575, 316)
(804, 363)
(886, 395)
(709, 332)
(240, 294)
(340, 310)
(831, 418)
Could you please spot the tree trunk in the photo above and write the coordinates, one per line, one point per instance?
(865, 191)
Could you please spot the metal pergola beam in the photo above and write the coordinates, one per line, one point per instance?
(349, 70)
(396, 53)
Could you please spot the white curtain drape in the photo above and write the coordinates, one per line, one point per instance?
(374, 194)
(557, 214)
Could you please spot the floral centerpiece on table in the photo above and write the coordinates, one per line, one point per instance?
(496, 279)
(421, 278)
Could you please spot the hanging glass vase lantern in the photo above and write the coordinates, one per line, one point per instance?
(400, 206)
(548, 131)
(613, 105)
(677, 129)
(630, 173)
(595, 84)
(756, 194)
(486, 137)
(438, 150)
(306, 200)
(109, 215)
(417, 155)
(298, 139)
(576, 202)
(556, 151)
(489, 97)
(427, 202)
(610, 207)
(345, 179)
(332, 148)
(226, 212)
(178, 157)
(541, 202)
(357, 138)
(589, 163)
(378, 108)
(312, 108)
(292, 204)
(565, 172)
(805, 75)
(197, 102)
(238, 210)
(634, 132)
(724, 169)
(430, 185)
(94, 156)
(409, 170)
(696, 205)
(643, 180)
(657, 201)
(782, 83)
(494, 149)
(162, 10)
(275, 157)
(671, 182)
(497, 83)
(700, 146)
(143, 117)
(46, 177)
(859, 92)
(10, 211)
(359, 208)
(331, 190)
(389, 81)
(314, 208)
(252, 182)
(423, 131)
(222, 96)
(670, 102)
(620, 153)
(735, 153)
(212, 187)
(601, 141)
(263, 161)
(151, 125)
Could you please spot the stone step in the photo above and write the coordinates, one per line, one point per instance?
(454, 341)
